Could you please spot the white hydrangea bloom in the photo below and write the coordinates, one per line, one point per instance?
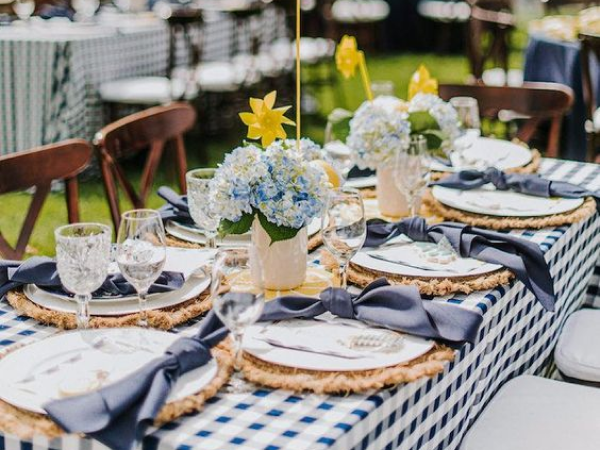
(377, 130)
(278, 182)
(443, 112)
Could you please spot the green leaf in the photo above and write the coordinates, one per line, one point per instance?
(339, 121)
(276, 233)
(434, 139)
(240, 227)
(421, 121)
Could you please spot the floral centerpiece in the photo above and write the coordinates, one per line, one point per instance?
(381, 127)
(274, 191)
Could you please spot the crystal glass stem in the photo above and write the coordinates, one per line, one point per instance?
(343, 272)
(83, 310)
(142, 297)
(237, 337)
(211, 240)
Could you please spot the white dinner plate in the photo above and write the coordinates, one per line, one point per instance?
(190, 233)
(491, 202)
(331, 335)
(81, 361)
(192, 288)
(361, 183)
(413, 254)
(487, 152)
(184, 260)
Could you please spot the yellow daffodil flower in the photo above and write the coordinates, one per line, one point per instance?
(347, 56)
(265, 122)
(421, 82)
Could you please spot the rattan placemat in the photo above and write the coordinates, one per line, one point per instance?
(164, 319)
(26, 425)
(361, 276)
(508, 223)
(299, 380)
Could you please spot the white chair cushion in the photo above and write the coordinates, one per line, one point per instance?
(532, 413)
(142, 90)
(577, 354)
(220, 76)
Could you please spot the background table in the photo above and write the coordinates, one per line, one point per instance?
(517, 337)
(551, 60)
(49, 82)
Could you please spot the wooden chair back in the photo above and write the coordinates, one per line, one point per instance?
(38, 168)
(534, 102)
(590, 48)
(153, 131)
(489, 28)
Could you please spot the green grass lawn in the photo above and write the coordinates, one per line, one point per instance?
(93, 204)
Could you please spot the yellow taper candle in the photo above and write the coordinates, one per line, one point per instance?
(298, 76)
(365, 76)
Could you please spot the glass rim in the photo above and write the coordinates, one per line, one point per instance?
(417, 139)
(189, 175)
(102, 228)
(129, 215)
(345, 190)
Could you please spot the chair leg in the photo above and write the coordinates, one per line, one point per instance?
(154, 157)
(554, 138)
(181, 163)
(72, 198)
(112, 195)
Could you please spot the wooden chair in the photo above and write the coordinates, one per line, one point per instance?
(590, 48)
(489, 28)
(38, 168)
(150, 130)
(535, 103)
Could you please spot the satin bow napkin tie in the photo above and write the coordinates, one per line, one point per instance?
(42, 272)
(399, 308)
(521, 256)
(525, 184)
(119, 414)
(176, 208)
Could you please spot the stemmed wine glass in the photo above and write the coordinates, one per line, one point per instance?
(201, 209)
(467, 109)
(82, 259)
(85, 9)
(141, 252)
(237, 301)
(412, 171)
(344, 227)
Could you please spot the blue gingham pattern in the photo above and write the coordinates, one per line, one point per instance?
(49, 84)
(517, 337)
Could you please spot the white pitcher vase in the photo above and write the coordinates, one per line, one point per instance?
(390, 200)
(283, 262)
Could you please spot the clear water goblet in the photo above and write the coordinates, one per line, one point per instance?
(237, 301)
(412, 171)
(201, 208)
(82, 260)
(344, 227)
(141, 253)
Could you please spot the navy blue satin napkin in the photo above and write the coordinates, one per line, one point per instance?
(176, 208)
(119, 414)
(42, 272)
(520, 255)
(525, 184)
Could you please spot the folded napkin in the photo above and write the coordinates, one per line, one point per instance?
(42, 272)
(176, 208)
(525, 184)
(521, 256)
(119, 414)
(399, 308)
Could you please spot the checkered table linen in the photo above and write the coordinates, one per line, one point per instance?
(49, 84)
(517, 337)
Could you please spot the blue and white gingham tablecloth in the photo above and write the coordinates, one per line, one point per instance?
(517, 337)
